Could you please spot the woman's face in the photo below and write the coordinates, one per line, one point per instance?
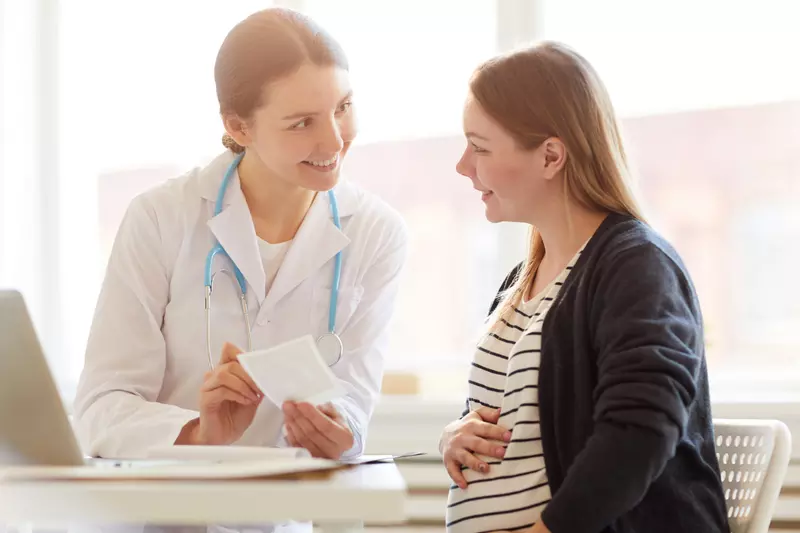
(516, 184)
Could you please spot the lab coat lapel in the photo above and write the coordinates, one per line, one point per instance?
(317, 242)
(233, 228)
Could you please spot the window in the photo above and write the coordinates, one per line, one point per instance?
(411, 63)
(137, 106)
(710, 108)
(137, 110)
(712, 117)
(22, 248)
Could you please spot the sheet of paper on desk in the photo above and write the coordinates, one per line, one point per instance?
(225, 453)
(173, 472)
(294, 371)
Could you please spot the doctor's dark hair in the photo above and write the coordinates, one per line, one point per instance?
(546, 91)
(263, 48)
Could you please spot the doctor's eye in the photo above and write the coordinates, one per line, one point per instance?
(344, 107)
(303, 124)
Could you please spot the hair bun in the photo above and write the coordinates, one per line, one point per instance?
(230, 144)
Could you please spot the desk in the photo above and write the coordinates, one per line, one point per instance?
(332, 500)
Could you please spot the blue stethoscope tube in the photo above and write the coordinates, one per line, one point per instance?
(330, 344)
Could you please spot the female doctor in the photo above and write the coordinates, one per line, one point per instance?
(309, 255)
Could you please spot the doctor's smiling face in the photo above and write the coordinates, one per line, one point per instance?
(305, 127)
(284, 91)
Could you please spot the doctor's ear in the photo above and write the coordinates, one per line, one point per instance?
(237, 129)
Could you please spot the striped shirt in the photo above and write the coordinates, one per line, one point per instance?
(505, 376)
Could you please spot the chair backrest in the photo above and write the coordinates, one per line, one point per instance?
(753, 457)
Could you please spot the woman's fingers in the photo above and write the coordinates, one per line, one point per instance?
(488, 414)
(454, 470)
(489, 431)
(478, 434)
(470, 461)
(482, 446)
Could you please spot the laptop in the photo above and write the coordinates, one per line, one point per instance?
(37, 440)
(34, 427)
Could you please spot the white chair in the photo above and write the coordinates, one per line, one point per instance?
(753, 457)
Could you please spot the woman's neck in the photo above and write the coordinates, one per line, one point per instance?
(276, 206)
(563, 236)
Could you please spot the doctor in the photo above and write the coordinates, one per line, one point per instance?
(288, 236)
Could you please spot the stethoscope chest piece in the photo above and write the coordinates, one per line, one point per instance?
(330, 348)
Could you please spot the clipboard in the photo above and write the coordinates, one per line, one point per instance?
(377, 459)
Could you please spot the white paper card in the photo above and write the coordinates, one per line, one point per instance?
(293, 371)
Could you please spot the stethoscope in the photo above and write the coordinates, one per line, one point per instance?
(329, 344)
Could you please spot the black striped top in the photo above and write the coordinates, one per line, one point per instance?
(505, 376)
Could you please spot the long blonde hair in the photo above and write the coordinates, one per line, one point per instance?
(545, 91)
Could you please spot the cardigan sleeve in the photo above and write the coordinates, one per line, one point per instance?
(646, 330)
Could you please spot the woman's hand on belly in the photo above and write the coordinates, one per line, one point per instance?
(320, 430)
(469, 435)
(228, 403)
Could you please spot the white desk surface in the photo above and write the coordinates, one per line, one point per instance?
(374, 493)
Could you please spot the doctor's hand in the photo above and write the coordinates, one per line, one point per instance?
(320, 430)
(228, 403)
(477, 432)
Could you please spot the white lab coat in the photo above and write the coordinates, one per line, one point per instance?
(146, 354)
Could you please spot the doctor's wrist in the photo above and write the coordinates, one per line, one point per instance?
(190, 433)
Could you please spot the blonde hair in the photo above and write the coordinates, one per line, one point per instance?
(548, 90)
(263, 48)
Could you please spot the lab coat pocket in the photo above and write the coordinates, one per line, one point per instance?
(349, 298)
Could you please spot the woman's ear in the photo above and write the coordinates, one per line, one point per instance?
(555, 156)
(237, 129)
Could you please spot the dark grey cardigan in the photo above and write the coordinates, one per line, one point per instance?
(623, 393)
